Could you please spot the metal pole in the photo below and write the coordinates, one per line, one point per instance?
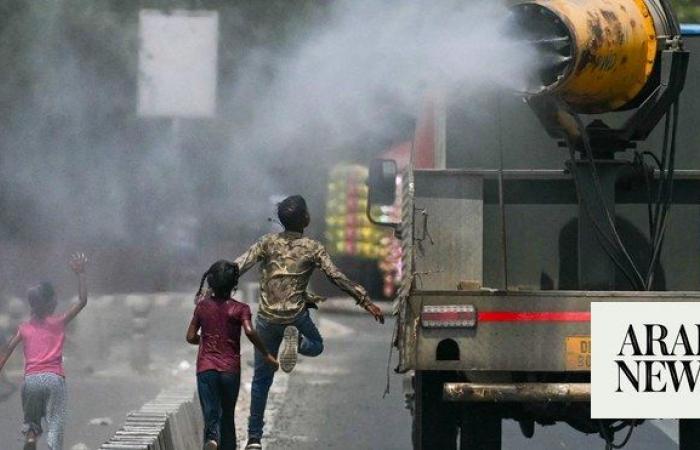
(501, 201)
(516, 392)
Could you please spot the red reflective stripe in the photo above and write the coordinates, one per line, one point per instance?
(448, 315)
(515, 316)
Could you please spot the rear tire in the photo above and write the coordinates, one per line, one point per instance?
(689, 434)
(480, 428)
(435, 423)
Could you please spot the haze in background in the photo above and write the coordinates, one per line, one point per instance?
(79, 169)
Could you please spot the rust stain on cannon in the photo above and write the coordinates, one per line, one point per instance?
(588, 56)
(586, 59)
(609, 15)
(606, 31)
(595, 28)
(614, 26)
(614, 49)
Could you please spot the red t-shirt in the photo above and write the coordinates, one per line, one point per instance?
(220, 337)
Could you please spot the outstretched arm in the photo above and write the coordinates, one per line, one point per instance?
(254, 338)
(356, 291)
(250, 257)
(192, 336)
(77, 263)
(7, 352)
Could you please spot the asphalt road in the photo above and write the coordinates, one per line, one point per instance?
(335, 401)
(88, 398)
(330, 402)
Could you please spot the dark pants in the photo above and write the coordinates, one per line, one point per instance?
(311, 344)
(218, 393)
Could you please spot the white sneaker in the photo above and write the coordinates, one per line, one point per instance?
(253, 444)
(211, 445)
(288, 356)
(30, 442)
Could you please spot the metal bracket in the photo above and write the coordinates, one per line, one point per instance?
(426, 233)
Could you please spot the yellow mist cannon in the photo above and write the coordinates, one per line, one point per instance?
(599, 56)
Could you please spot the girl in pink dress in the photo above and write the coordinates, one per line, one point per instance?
(43, 336)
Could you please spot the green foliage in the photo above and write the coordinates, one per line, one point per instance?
(688, 10)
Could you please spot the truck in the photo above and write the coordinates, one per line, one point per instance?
(519, 210)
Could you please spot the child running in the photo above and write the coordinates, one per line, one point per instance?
(42, 337)
(220, 319)
(287, 261)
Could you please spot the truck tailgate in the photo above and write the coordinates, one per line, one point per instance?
(533, 331)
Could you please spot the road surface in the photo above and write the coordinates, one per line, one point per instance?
(335, 401)
(89, 397)
(330, 402)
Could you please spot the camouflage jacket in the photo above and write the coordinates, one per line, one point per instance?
(287, 260)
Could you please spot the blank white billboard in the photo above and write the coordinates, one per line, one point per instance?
(178, 59)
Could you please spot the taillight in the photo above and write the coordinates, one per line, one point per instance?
(448, 316)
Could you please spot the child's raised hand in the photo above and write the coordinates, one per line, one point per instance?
(376, 312)
(78, 262)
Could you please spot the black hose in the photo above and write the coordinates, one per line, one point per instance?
(607, 432)
(668, 200)
(639, 280)
(600, 232)
(662, 175)
(641, 165)
(658, 219)
(655, 158)
(671, 164)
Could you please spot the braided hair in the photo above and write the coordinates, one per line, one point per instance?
(222, 278)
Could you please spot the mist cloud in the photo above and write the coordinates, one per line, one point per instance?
(79, 167)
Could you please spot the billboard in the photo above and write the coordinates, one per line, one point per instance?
(178, 58)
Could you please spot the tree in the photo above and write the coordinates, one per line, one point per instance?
(688, 10)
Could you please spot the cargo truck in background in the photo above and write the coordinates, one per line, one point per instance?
(516, 215)
(367, 253)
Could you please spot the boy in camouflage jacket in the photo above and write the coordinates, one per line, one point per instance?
(287, 260)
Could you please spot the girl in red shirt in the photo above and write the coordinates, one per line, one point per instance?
(219, 319)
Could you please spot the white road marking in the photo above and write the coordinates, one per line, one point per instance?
(307, 367)
(275, 401)
(278, 394)
(319, 382)
(279, 389)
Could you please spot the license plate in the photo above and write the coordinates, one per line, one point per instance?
(578, 353)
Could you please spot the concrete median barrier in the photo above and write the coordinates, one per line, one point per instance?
(173, 421)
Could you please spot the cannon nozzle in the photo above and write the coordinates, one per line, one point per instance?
(596, 55)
